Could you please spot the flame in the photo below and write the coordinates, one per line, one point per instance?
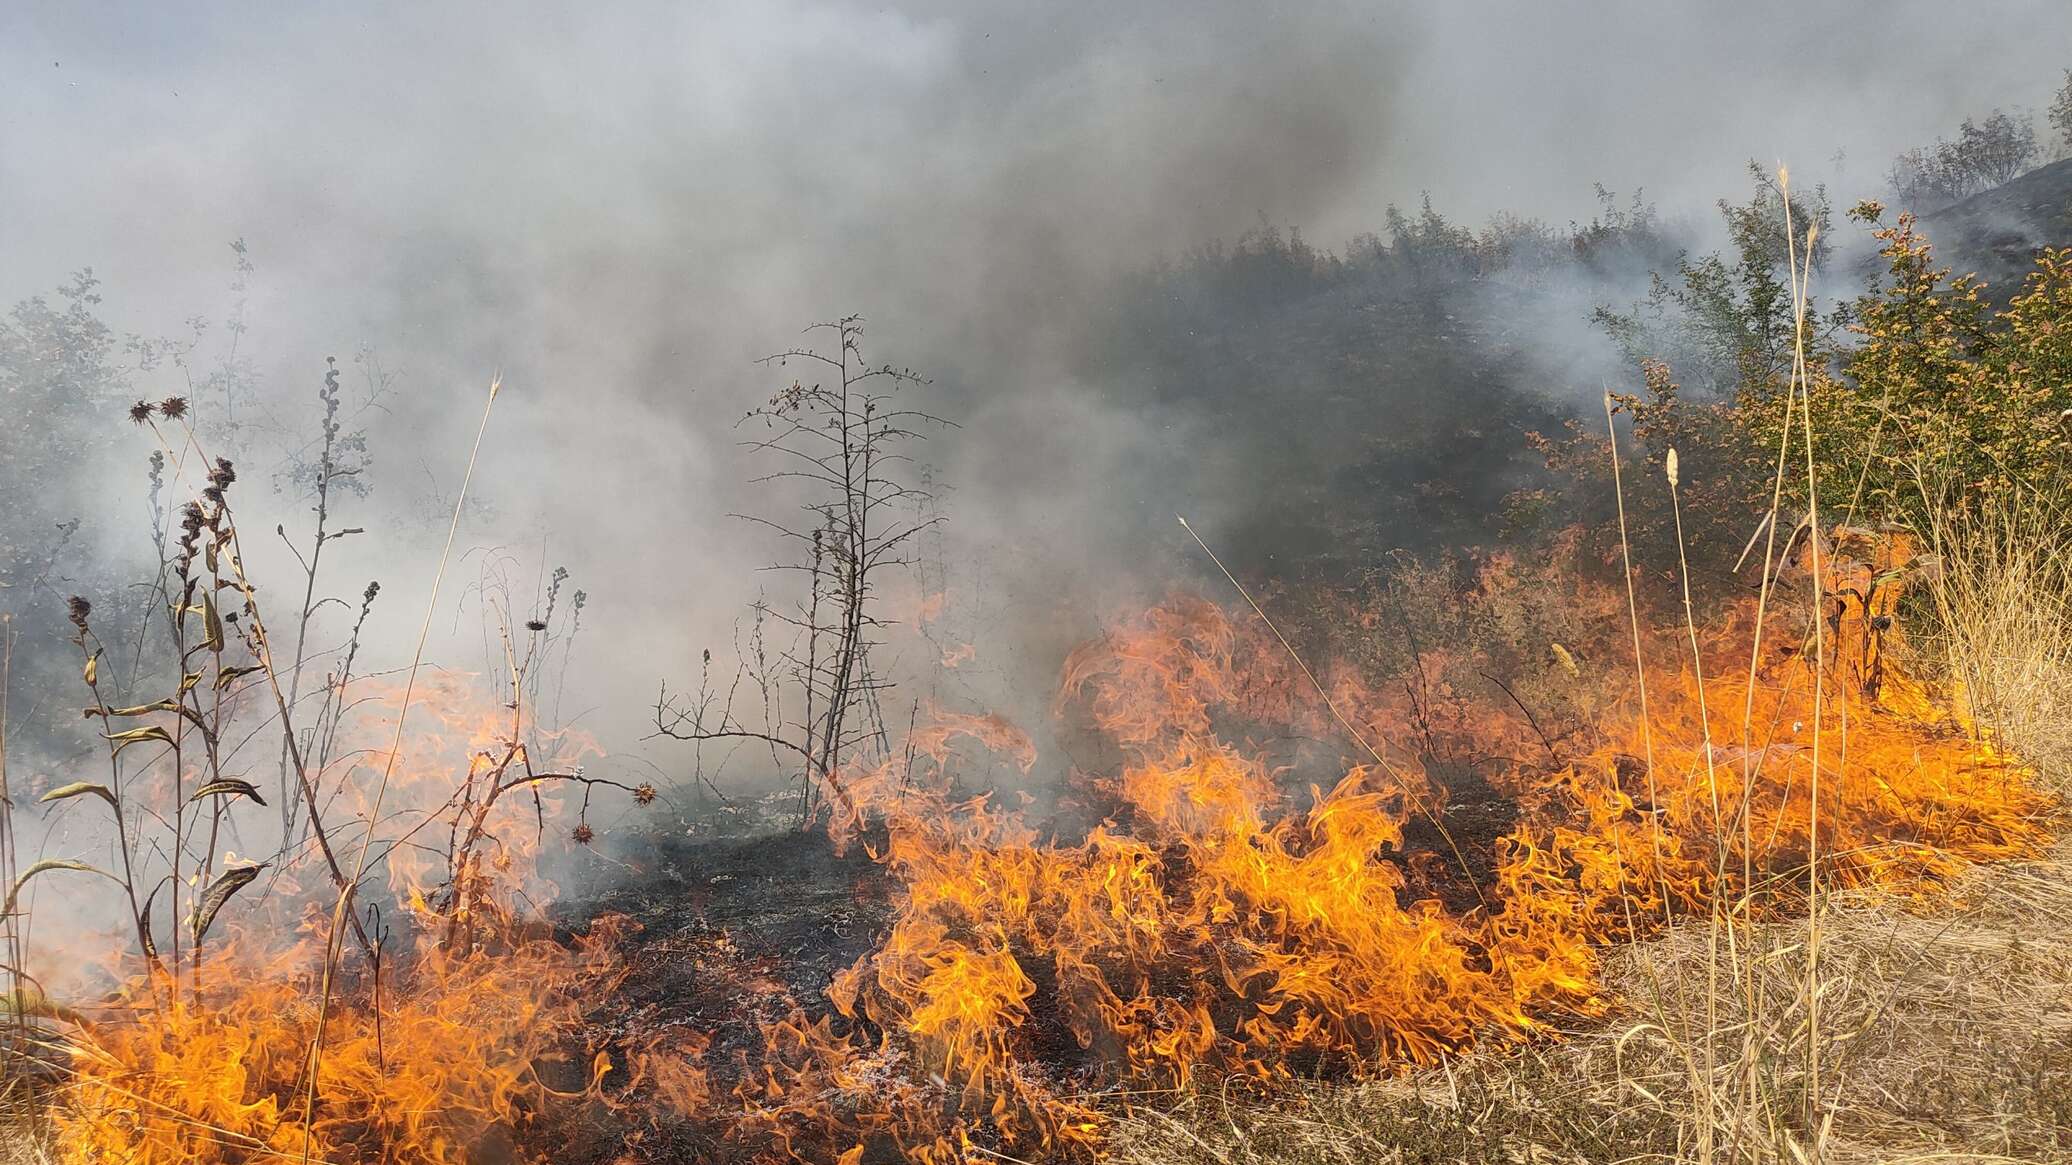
(1217, 923)
(459, 1041)
(448, 1060)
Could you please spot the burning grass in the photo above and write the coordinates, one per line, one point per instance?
(1228, 929)
(453, 1066)
(1285, 877)
(1946, 1032)
(1220, 928)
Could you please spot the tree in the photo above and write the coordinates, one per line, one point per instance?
(839, 438)
(2061, 113)
(60, 382)
(1986, 154)
(1943, 401)
(1725, 321)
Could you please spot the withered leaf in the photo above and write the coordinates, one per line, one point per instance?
(225, 677)
(14, 892)
(76, 788)
(223, 786)
(229, 882)
(27, 1000)
(142, 709)
(123, 740)
(212, 623)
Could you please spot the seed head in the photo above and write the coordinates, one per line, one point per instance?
(173, 407)
(643, 794)
(582, 834)
(77, 609)
(535, 625)
(140, 412)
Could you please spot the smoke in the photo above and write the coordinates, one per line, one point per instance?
(620, 209)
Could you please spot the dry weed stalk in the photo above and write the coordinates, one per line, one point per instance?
(841, 441)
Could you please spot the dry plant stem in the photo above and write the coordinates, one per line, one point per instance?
(1697, 1075)
(841, 441)
(309, 590)
(1647, 735)
(1744, 818)
(10, 925)
(88, 652)
(1800, 379)
(339, 912)
(262, 649)
(1719, 920)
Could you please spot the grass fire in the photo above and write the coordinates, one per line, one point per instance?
(879, 608)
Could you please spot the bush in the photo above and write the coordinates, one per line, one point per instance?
(2061, 113)
(1986, 153)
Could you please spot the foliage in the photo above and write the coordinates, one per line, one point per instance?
(1715, 346)
(60, 380)
(1986, 153)
(1726, 321)
(1366, 400)
(2060, 112)
(1924, 399)
(1943, 401)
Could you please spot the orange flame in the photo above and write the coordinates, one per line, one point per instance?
(1215, 923)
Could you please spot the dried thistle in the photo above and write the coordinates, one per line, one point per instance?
(173, 408)
(535, 625)
(140, 412)
(77, 609)
(582, 834)
(644, 794)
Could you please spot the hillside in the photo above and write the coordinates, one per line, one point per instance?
(1996, 232)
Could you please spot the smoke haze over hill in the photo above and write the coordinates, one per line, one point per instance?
(621, 211)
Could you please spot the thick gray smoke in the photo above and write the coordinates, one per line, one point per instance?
(620, 206)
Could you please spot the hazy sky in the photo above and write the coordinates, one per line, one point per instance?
(619, 205)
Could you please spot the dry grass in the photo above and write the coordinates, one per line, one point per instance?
(2000, 599)
(23, 1137)
(1946, 1037)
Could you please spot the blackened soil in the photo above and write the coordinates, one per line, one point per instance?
(725, 937)
(1454, 859)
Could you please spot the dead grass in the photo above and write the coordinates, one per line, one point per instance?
(23, 1136)
(1946, 1036)
(2000, 596)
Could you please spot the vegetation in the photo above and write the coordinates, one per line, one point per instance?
(2061, 113)
(1605, 795)
(1986, 152)
(841, 440)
